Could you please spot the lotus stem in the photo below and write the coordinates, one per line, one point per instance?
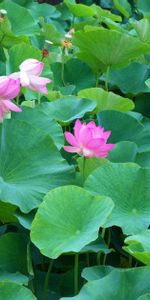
(45, 290)
(107, 78)
(76, 274)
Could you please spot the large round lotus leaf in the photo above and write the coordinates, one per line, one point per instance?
(96, 246)
(144, 297)
(15, 277)
(143, 6)
(30, 165)
(76, 73)
(96, 272)
(68, 219)
(106, 100)
(67, 109)
(125, 127)
(109, 47)
(122, 78)
(13, 246)
(123, 152)
(80, 10)
(119, 284)
(14, 291)
(139, 246)
(37, 118)
(128, 186)
(27, 25)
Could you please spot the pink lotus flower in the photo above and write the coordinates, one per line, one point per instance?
(9, 89)
(88, 140)
(29, 75)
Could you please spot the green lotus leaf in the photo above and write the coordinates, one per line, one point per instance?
(143, 6)
(39, 119)
(96, 272)
(127, 184)
(20, 15)
(30, 165)
(144, 297)
(120, 284)
(64, 223)
(122, 78)
(139, 246)
(106, 100)
(123, 152)
(76, 73)
(108, 48)
(125, 127)
(14, 291)
(12, 245)
(96, 246)
(67, 109)
(80, 10)
(15, 277)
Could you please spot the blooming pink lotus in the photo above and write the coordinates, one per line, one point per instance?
(29, 75)
(9, 89)
(88, 140)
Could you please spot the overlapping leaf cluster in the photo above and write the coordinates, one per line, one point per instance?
(69, 223)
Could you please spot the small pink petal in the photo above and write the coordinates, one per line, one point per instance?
(71, 139)
(107, 147)
(106, 135)
(11, 106)
(72, 149)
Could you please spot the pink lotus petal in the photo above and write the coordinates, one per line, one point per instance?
(77, 128)
(91, 125)
(72, 149)
(1, 114)
(13, 89)
(15, 75)
(4, 82)
(32, 66)
(87, 153)
(95, 144)
(24, 79)
(39, 83)
(11, 106)
(106, 135)
(107, 147)
(85, 135)
(71, 139)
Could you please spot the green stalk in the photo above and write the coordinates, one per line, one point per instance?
(97, 80)
(83, 170)
(39, 98)
(17, 99)
(45, 290)
(62, 68)
(76, 274)
(107, 78)
(99, 254)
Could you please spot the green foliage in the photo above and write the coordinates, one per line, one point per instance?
(70, 223)
(65, 227)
